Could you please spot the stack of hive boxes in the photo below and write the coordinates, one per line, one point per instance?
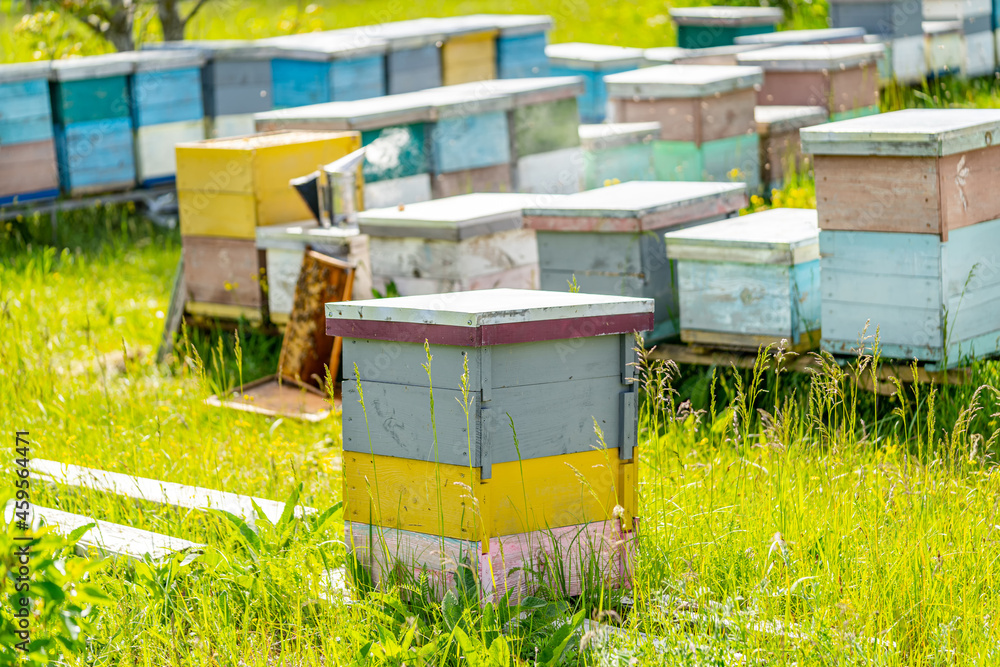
(780, 149)
(841, 77)
(313, 68)
(456, 244)
(510, 479)
(93, 123)
(592, 62)
(167, 109)
(610, 240)
(705, 27)
(895, 23)
(909, 218)
(944, 47)
(749, 281)
(976, 18)
(618, 152)
(226, 188)
(706, 117)
(28, 170)
(236, 80)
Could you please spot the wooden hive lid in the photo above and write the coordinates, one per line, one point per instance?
(910, 132)
(264, 140)
(295, 235)
(221, 49)
(165, 60)
(327, 46)
(941, 27)
(813, 57)
(594, 57)
(489, 317)
(534, 90)
(93, 67)
(667, 55)
(412, 34)
(664, 55)
(459, 26)
(602, 136)
(783, 236)
(514, 25)
(820, 36)
(781, 118)
(467, 99)
(449, 219)
(682, 81)
(636, 206)
(371, 113)
(10, 73)
(947, 10)
(725, 16)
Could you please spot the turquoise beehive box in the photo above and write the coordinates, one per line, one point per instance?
(28, 169)
(704, 27)
(618, 152)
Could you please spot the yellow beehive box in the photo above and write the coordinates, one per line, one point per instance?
(228, 187)
(468, 58)
(521, 496)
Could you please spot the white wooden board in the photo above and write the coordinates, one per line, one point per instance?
(682, 81)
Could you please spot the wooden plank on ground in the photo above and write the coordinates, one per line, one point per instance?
(164, 493)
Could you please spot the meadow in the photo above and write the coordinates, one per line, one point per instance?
(785, 518)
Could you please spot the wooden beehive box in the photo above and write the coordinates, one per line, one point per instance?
(93, 124)
(944, 47)
(749, 281)
(28, 170)
(706, 116)
(715, 55)
(467, 242)
(704, 27)
(780, 149)
(903, 256)
(925, 171)
(313, 68)
(611, 239)
(853, 35)
(396, 129)
(229, 187)
(413, 58)
(896, 23)
(592, 62)
(469, 52)
(841, 77)
(521, 45)
(167, 109)
(548, 364)
(285, 246)
(223, 277)
(618, 152)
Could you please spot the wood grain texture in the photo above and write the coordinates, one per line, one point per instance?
(695, 120)
(307, 353)
(553, 492)
(222, 271)
(967, 184)
(469, 58)
(449, 260)
(486, 179)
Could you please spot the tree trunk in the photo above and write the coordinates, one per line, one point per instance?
(171, 21)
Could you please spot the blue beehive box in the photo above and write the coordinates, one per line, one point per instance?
(167, 109)
(27, 149)
(413, 56)
(592, 62)
(93, 123)
(335, 66)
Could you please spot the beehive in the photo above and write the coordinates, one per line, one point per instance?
(467, 242)
(706, 117)
(820, 36)
(413, 58)
(592, 62)
(703, 27)
(542, 366)
(715, 55)
(521, 45)
(896, 23)
(396, 130)
(618, 152)
(944, 48)
(610, 240)
(285, 246)
(229, 187)
(912, 256)
(167, 109)
(780, 150)
(313, 68)
(93, 124)
(28, 170)
(842, 77)
(749, 281)
(976, 18)
(469, 52)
